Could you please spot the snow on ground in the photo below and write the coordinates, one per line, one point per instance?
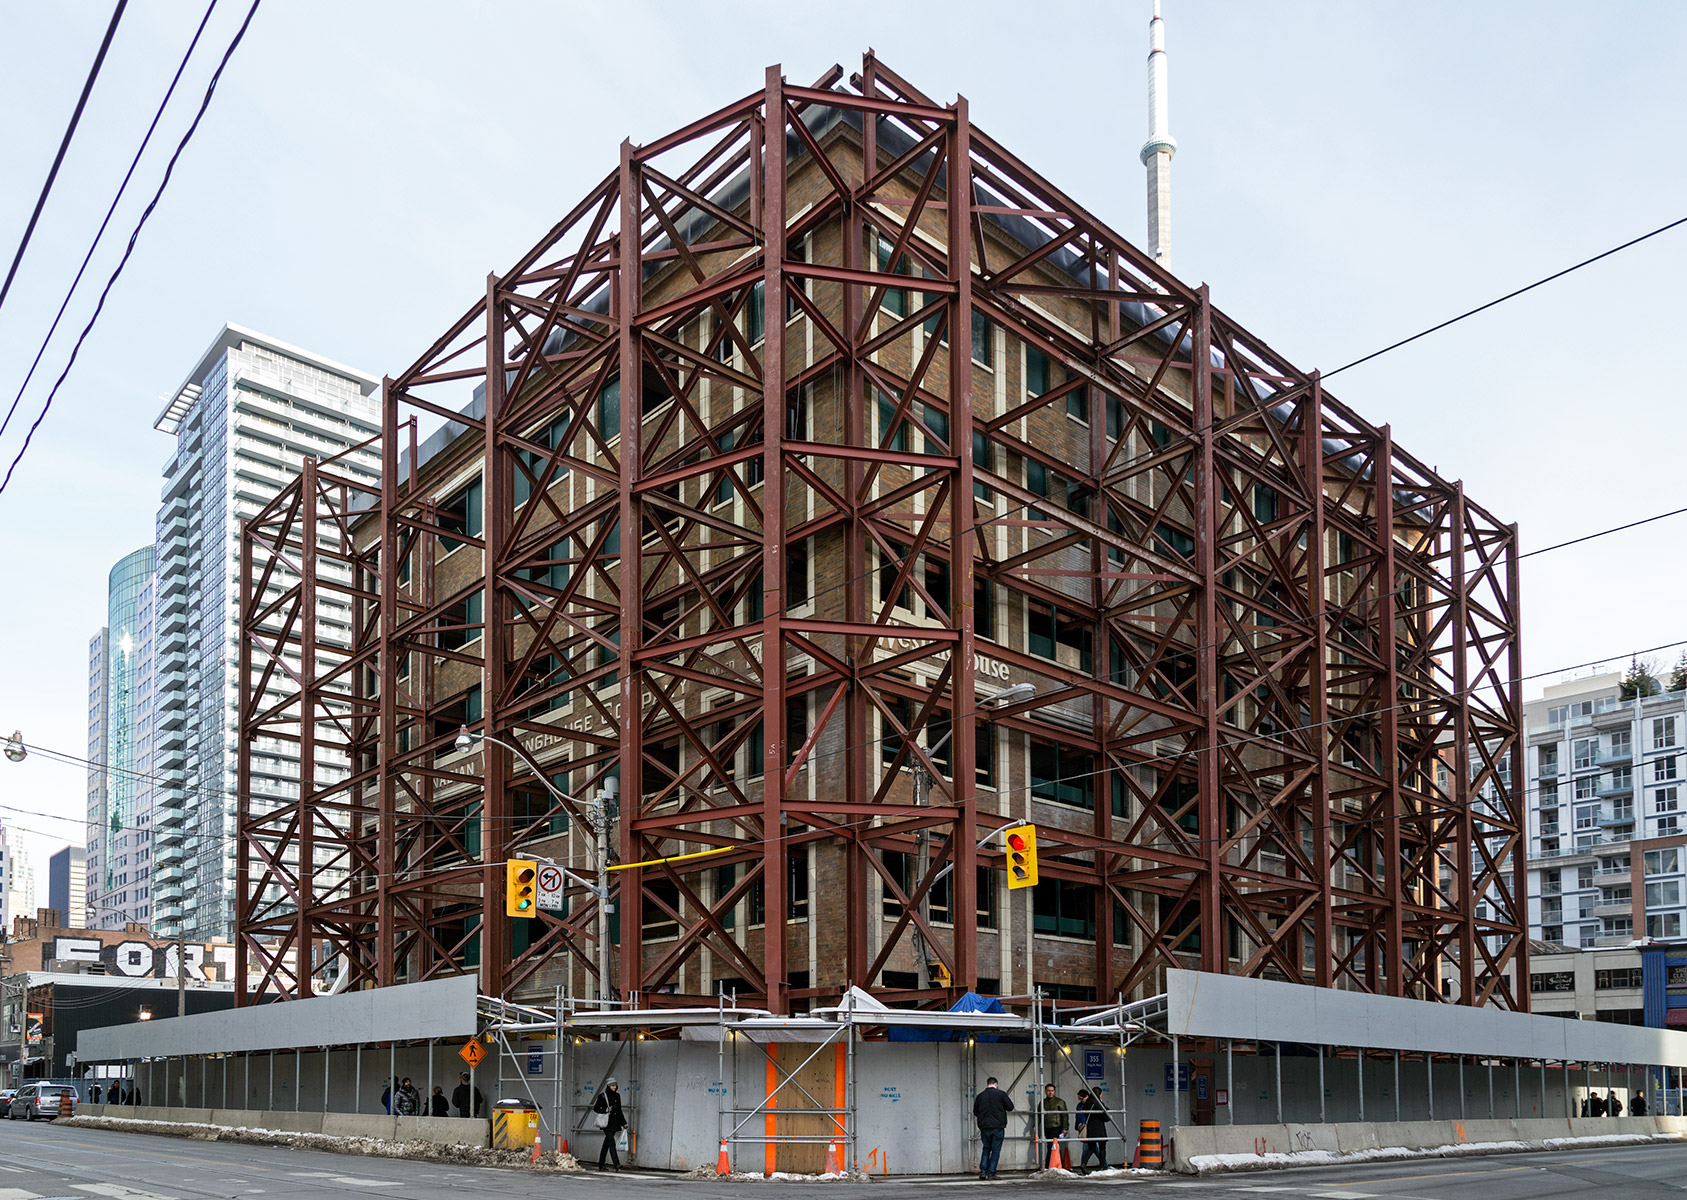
(1204, 1164)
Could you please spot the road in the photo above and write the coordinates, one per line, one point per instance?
(46, 1162)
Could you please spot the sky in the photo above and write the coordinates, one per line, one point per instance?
(1347, 175)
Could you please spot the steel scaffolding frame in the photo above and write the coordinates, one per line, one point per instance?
(1302, 663)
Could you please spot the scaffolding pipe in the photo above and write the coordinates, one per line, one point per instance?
(1279, 1087)
(1320, 1083)
(1229, 1079)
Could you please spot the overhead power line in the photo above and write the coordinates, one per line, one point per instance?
(128, 250)
(1586, 262)
(64, 145)
(93, 245)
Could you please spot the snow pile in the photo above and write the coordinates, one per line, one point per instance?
(708, 1173)
(461, 1155)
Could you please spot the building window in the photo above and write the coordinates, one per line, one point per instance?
(1063, 909)
(1549, 795)
(609, 411)
(1664, 895)
(1549, 760)
(1663, 925)
(1663, 862)
(1616, 979)
(549, 437)
(1062, 776)
(461, 514)
(1663, 768)
(1663, 732)
(983, 458)
(895, 299)
(796, 886)
(1036, 371)
(1622, 744)
(1586, 751)
(983, 342)
(1666, 800)
(984, 752)
(461, 623)
(1587, 786)
(888, 440)
(657, 923)
(1078, 403)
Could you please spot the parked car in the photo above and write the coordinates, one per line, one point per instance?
(6, 1095)
(40, 1101)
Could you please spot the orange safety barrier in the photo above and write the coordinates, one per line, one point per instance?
(1149, 1150)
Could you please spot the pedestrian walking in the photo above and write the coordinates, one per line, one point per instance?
(386, 1097)
(990, 1108)
(1056, 1121)
(1092, 1124)
(94, 1093)
(466, 1093)
(1638, 1108)
(407, 1101)
(1596, 1105)
(609, 1118)
(439, 1105)
(1613, 1103)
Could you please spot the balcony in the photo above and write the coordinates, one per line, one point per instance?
(1619, 787)
(1552, 889)
(1621, 815)
(1614, 876)
(1616, 908)
(1549, 830)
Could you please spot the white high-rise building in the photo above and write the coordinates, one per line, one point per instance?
(1607, 837)
(17, 878)
(244, 419)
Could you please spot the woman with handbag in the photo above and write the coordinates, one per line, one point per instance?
(609, 1118)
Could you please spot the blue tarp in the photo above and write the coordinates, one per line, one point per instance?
(970, 1002)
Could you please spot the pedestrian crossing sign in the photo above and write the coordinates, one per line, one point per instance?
(472, 1052)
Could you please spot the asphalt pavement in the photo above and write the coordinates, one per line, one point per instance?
(48, 1162)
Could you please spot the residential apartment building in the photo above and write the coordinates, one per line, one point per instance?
(247, 414)
(120, 745)
(1607, 846)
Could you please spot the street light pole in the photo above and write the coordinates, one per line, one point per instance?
(599, 820)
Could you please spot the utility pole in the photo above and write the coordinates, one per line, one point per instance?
(23, 1025)
(181, 971)
(600, 852)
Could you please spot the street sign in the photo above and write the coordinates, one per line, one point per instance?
(1182, 1077)
(535, 1061)
(472, 1053)
(1095, 1064)
(551, 884)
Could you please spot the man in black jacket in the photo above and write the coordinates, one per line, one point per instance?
(990, 1109)
(463, 1094)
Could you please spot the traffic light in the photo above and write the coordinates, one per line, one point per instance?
(1022, 856)
(520, 881)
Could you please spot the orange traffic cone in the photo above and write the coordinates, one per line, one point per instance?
(834, 1159)
(1057, 1159)
(723, 1164)
(534, 1157)
(561, 1144)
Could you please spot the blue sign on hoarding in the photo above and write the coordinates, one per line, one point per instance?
(1095, 1065)
(535, 1062)
(1182, 1077)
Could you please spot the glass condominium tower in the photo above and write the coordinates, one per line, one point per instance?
(244, 419)
(120, 747)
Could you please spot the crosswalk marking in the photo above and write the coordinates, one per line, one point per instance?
(344, 1180)
(116, 1191)
(18, 1194)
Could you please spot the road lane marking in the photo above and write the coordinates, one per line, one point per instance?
(345, 1180)
(116, 1191)
(18, 1194)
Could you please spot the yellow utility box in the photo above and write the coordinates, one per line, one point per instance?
(515, 1125)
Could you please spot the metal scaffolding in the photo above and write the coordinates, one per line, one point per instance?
(813, 423)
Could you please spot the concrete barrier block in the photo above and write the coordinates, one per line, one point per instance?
(238, 1118)
(1421, 1135)
(356, 1125)
(186, 1116)
(1355, 1136)
(291, 1122)
(447, 1131)
(1299, 1138)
